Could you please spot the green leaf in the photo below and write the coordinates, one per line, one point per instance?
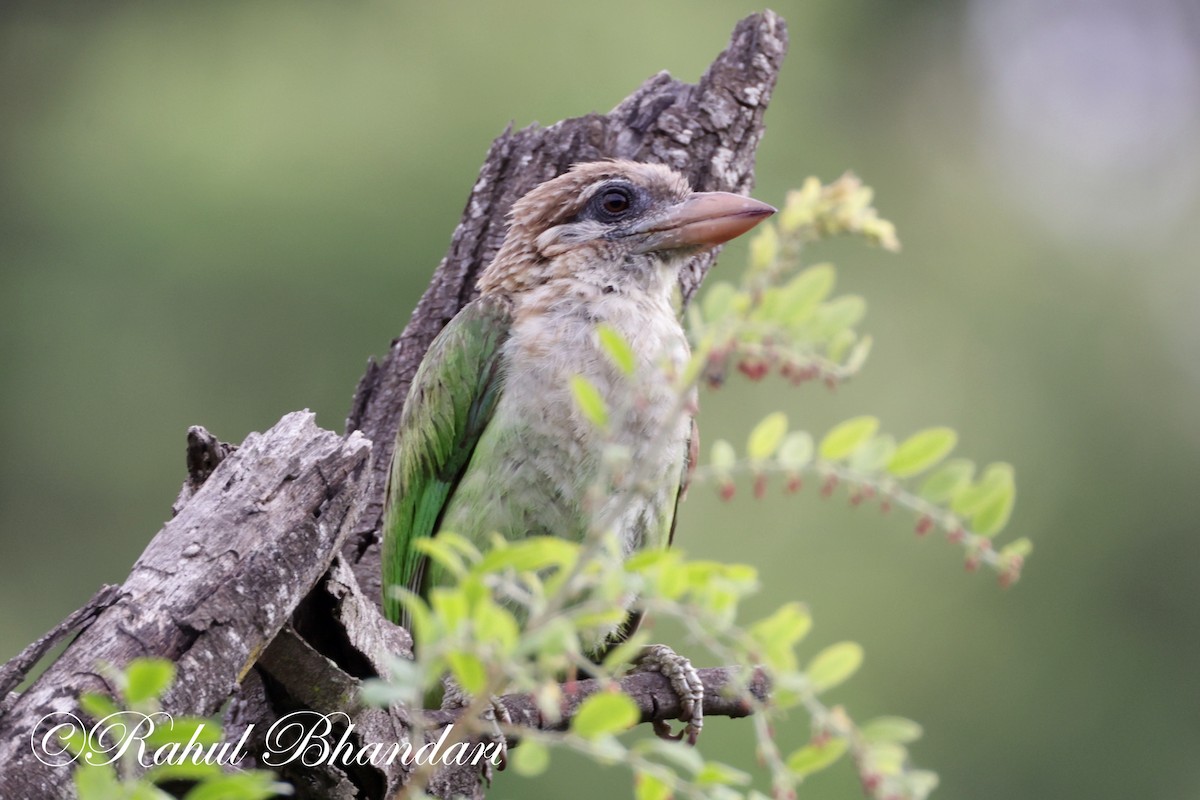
(764, 247)
(995, 481)
(460, 544)
(418, 611)
(97, 706)
(871, 457)
(767, 436)
(1020, 548)
(450, 606)
(531, 554)
(796, 450)
(779, 633)
(181, 729)
(468, 671)
(991, 517)
(887, 758)
(921, 451)
(97, 783)
(496, 624)
(723, 457)
(802, 294)
(834, 665)
(714, 773)
(840, 343)
(685, 758)
(948, 481)
(440, 551)
(891, 729)
(530, 759)
(626, 651)
(616, 347)
(249, 785)
(604, 714)
(183, 771)
(590, 403)
(847, 437)
(147, 791)
(718, 301)
(858, 355)
(815, 757)
(147, 678)
(838, 314)
(650, 787)
(921, 782)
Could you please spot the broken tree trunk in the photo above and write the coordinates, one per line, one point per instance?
(263, 588)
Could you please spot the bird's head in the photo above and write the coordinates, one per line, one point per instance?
(613, 224)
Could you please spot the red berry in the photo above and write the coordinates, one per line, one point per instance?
(924, 525)
(753, 368)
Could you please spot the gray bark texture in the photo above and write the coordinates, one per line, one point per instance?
(263, 588)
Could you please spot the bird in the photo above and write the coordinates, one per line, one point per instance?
(491, 438)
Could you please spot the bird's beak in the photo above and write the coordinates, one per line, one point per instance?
(703, 219)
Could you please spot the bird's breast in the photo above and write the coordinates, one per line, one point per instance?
(553, 453)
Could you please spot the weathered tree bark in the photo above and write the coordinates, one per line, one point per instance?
(264, 586)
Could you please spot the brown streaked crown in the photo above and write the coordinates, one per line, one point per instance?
(558, 201)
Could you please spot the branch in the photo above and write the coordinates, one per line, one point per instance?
(211, 589)
(651, 691)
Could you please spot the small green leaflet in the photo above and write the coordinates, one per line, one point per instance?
(816, 757)
(588, 398)
(767, 436)
(834, 665)
(921, 451)
(605, 714)
(847, 437)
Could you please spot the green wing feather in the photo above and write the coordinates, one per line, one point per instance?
(450, 402)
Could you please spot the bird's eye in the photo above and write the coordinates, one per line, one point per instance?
(615, 201)
(612, 203)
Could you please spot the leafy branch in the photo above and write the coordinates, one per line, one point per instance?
(520, 614)
(112, 761)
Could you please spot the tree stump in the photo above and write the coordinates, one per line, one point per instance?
(264, 587)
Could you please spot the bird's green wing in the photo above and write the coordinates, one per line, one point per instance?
(449, 404)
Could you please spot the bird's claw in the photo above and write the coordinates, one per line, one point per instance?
(496, 713)
(687, 685)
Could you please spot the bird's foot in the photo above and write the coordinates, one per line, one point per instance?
(496, 714)
(686, 683)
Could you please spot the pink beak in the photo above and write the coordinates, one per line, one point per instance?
(704, 219)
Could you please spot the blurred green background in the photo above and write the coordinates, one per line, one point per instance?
(212, 213)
